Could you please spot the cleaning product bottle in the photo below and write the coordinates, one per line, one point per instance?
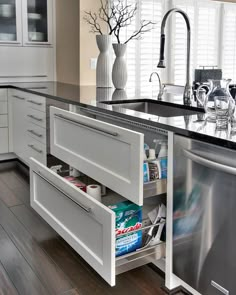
(163, 159)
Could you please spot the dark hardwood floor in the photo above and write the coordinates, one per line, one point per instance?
(34, 260)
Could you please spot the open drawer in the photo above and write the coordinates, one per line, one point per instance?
(84, 223)
(110, 154)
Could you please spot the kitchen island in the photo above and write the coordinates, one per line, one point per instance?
(94, 108)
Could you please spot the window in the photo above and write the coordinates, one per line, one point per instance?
(212, 44)
(229, 41)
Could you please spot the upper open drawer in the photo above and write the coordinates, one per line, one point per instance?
(110, 154)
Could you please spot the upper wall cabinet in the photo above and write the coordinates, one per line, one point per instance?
(26, 22)
(10, 22)
(37, 22)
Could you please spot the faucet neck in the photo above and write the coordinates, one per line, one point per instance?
(161, 64)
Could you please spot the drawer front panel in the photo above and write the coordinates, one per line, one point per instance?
(110, 154)
(36, 117)
(3, 140)
(3, 94)
(37, 132)
(87, 225)
(36, 102)
(3, 108)
(3, 121)
(36, 150)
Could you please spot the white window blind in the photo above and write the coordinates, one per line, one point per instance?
(142, 55)
(204, 31)
(229, 42)
(212, 44)
(179, 37)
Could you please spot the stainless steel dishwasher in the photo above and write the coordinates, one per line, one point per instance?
(204, 213)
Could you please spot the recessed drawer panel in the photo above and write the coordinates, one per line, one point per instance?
(3, 94)
(3, 121)
(36, 102)
(3, 108)
(112, 155)
(36, 117)
(36, 150)
(87, 225)
(3, 140)
(37, 133)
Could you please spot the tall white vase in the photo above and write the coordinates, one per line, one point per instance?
(103, 71)
(119, 71)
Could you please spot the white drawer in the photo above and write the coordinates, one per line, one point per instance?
(36, 117)
(3, 107)
(84, 223)
(4, 145)
(3, 94)
(112, 155)
(37, 132)
(37, 150)
(87, 225)
(36, 102)
(3, 121)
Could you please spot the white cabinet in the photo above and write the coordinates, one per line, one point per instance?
(11, 22)
(26, 41)
(110, 154)
(26, 22)
(37, 22)
(27, 126)
(17, 115)
(4, 138)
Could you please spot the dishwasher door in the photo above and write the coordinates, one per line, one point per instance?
(204, 216)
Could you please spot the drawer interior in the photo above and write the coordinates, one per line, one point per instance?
(145, 254)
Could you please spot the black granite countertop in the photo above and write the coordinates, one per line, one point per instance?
(194, 126)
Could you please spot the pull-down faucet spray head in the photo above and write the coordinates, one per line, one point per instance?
(161, 63)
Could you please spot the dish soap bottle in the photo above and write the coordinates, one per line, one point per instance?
(163, 159)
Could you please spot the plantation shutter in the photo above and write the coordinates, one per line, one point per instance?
(204, 18)
(179, 37)
(142, 55)
(229, 42)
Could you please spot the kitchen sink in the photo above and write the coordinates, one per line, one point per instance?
(158, 108)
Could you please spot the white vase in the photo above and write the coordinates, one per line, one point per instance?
(119, 71)
(103, 71)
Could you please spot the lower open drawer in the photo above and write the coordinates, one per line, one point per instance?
(86, 224)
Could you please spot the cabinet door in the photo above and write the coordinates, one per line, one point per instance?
(17, 115)
(10, 22)
(37, 22)
(110, 154)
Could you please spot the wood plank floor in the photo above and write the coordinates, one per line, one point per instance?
(35, 260)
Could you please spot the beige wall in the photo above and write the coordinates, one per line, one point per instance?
(67, 41)
(88, 48)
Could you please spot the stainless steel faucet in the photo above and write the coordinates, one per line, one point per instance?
(188, 92)
(161, 87)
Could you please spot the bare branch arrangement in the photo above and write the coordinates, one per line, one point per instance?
(118, 15)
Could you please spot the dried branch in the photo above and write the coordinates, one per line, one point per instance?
(117, 16)
(92, 20)
(144, 28)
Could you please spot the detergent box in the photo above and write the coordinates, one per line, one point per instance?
(128, 219)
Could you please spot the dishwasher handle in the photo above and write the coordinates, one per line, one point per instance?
(193, 156)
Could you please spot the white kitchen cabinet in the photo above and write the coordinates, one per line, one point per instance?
(3, 140)
(11, 22)
(110, 154)
(17, 115)
(37, 22)
(27, 126)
